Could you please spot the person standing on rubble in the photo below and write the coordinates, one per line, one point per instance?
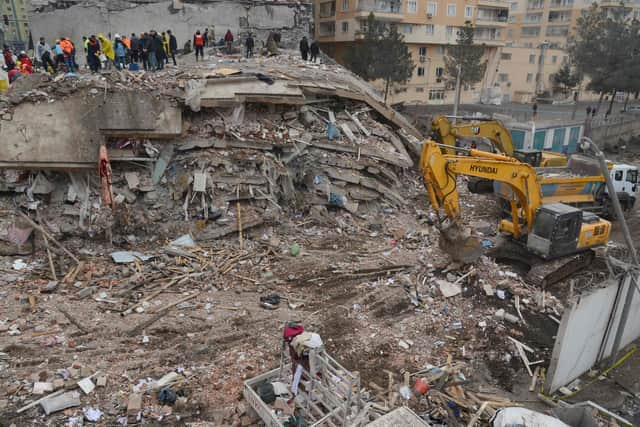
(59, 54)
(206, 37)
(228, 40)
(145, 41)
(212, 36)
(120, 52)
(93, 52)
(304, 48)
(8, 58)
(314, 50)
(156, 52)
(173, 46)
(43, 55)
(248, 44)
(135, 48)
(165, 46)
(107, 50)
(198, 45)
(67, 52)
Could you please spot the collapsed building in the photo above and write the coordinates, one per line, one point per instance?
(151, 283)
(53, 19)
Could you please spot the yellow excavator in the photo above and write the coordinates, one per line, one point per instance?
(553, 239)
(445, 132)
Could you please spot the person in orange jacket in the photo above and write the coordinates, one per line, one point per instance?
(67, 51)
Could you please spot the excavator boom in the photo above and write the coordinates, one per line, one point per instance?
(440, 172)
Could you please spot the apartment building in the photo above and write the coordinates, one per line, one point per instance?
(428, 26)
(14, 27)
(524, 41)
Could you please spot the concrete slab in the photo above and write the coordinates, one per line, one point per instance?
(67, 134)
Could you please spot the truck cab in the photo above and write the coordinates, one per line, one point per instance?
(625, 182)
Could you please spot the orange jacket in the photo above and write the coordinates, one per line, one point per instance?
(66, 46)
(126, 42)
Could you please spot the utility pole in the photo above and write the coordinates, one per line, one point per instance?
(456, 101)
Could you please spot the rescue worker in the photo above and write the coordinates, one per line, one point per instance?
(43, 55)
(8, 58)
(67, 53)
(59, 54)
(93, 53)
(198, 44)
(165, 47)
(107, 50)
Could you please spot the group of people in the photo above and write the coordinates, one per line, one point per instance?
(151, 49)
(17, 65)
(309, 52)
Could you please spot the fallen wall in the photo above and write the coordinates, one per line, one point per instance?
(53, 19)
(588, 329)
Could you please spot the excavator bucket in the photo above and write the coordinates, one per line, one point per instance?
(458, 242)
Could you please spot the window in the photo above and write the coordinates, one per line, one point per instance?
(451, 10)
(532, 59)
(514, 5)
(529, 77)
(440, 50)
(345, 4)
(412, 6)
(345, 26)
(419, 89)
(505, 56)
(632, 176)
(422, 51)
(450, 31)
(432, 9)
(502, 77)
(618, 175)
(436, 94)
(510, 33)
(530, 32)
(554, 59)
(407, 28)
(468, 11)
(439, 72)
(420, 71)
(430, 29)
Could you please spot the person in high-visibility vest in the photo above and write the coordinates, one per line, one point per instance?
(198, 44)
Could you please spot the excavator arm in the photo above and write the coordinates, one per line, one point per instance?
(490, 129)
(440, 171)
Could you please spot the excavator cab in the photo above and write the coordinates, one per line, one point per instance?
(560, 230)
(531, 157)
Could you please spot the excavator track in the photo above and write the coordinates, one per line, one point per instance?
(547, 273)
(542, 273)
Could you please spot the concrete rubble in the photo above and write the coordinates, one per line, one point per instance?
(251, 193)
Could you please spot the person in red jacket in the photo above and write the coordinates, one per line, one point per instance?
(8, 58)
(198, 44)
(228, 40)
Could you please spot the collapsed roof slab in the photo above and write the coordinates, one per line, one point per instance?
(67, 134)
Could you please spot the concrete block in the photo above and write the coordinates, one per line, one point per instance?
(42, 387)
(134, 404)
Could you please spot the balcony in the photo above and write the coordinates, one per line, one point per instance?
(561, 4)
(494, 3)
(327, 29)
(492, 17)
(535, 5)
(384, 10)
(489, 36)
(327, 10)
